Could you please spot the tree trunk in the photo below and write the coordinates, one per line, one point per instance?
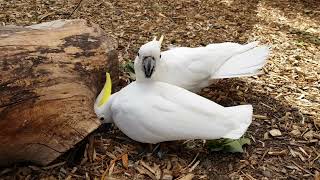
(50, 76)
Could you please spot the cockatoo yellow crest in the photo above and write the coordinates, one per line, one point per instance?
(106, 90)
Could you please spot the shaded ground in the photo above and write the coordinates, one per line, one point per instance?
(286, 97)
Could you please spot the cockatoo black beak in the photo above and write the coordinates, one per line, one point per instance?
(148, 64)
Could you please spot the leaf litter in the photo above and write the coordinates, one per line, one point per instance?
(286, 97)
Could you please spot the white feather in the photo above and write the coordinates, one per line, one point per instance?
(194, 68)
(152, 112)
(245, 64)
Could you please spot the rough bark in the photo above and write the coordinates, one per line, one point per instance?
(50, 76)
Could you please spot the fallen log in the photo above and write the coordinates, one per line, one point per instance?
(50, 76)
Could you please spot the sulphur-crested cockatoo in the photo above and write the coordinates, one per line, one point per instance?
(195, 68)
(151, 111)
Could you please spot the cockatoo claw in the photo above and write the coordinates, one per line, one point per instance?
(161, 150)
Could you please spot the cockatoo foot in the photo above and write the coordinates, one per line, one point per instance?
(145, 149)
(160, 150)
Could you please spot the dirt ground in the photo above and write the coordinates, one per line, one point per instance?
(286, 97)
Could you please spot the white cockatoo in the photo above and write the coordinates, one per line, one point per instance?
(151, 111)
(195, 68)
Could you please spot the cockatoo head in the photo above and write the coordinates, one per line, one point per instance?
(148, 57)
(101, 103)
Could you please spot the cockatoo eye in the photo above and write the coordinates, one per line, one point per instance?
(160, 56)
(138, 54)
(101, 118)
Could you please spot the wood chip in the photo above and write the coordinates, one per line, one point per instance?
(292, 152)
(69, 177)
(308, 135)
(257, 116)
(295, 133)
(289, 89)
(187, 177)
(162, 15)
(248, 176)
(147, 167)
(6, 170)
(194, 166)
(158, 171)
(74, 169)
(300, 156)
(301, 168)
(54, 165)
(112, 156)
(315, 135)
(87, 176)
(304, 152)
(144, 171)
(315, 159)
(104, 174)
(194, 159)
(167, 175)
(111, 168)
(125, 161)
(317, 176)
(277, 153)
(275, 132)
(41, 17)
(264, 154)
(293, 167)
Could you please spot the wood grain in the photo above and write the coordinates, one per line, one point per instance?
(50, 76)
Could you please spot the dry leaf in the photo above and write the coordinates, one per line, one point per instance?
(125, 161)
(317, 176)
(111, 167)
(167, 175)
(295, 132)
(277, 153)
(275, 132)
(187, 177)
(308, 135)
(290, 83)
(158, 171)
(144, 171)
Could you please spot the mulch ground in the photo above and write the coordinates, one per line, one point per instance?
(286, 98)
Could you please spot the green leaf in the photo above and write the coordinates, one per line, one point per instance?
(228, 145)
(244, 141)
(128, 66)
(132, 76)
(233, 146)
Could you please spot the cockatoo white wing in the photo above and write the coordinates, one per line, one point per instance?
(229, 45)
(193, 68)
(247, 63)
(156, 112)
(186, 67)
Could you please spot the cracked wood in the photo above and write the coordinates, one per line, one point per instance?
(50, 76)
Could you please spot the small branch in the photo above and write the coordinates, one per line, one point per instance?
(75, 9)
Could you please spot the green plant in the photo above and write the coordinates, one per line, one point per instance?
(228, 145)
